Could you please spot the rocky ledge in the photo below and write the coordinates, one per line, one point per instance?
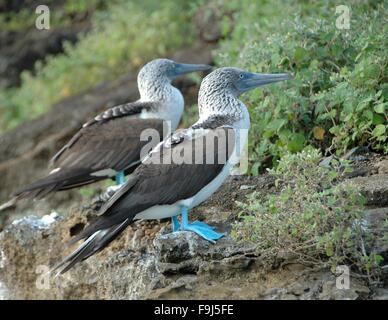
(149, 262)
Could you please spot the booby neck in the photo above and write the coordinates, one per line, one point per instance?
(222, 105)
(168, 100)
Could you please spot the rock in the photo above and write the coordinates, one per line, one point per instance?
(326, 162)
(247, 187)
(19, 251)
(331, 292)
(22, 47)
(382, 166)
(137, 266)
(208, 21)
(147, 261)
(306, 284)
(356, 154)
(374, 188)
(358, 172)
(381, 294)
(3, 292)
(375, 224)
(20, 50)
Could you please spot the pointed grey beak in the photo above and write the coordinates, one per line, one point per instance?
(252, 80)
(184, 68)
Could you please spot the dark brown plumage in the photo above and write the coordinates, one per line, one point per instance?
(165, 188)
(109, 141)
(156, 183)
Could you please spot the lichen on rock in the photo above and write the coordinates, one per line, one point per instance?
(149, 262)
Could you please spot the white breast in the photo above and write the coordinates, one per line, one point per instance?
(170, 109)
(166, 211)
(241, 131)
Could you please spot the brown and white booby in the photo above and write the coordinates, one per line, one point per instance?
(166, 183)
(110, 144)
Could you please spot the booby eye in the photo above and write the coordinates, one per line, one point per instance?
(241, 75)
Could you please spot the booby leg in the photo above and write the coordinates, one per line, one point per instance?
(110, 191)
(120, 177)
(175, 224)
(202, 229)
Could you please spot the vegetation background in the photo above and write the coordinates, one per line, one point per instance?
(337, 101)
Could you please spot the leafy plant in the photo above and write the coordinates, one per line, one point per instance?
(125, 36)
(59, 17)
(311, 219)
(338, 98)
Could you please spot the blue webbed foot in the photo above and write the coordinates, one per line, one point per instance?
(207, 233)
(202, 224)
(202, 229)
(120, 178)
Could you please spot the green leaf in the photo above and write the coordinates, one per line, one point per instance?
(379, 259)
(301, 55)
(368, 114)
(380, 108)
(276, 124)
(296, 143)
(255, 169)
(377, 119)
(329, 250)
(379, 130)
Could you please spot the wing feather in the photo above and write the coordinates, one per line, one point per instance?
(157, 183)
(110, 141)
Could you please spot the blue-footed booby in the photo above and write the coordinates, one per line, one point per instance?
(110, 144)
(163, 188)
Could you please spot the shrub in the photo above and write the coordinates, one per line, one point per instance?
(125, 35)
(59, 17)
(339, 97)
(312, 219)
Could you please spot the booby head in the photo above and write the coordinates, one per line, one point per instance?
(169, 69)
(161, 72)
(238, 81)
(219, 89)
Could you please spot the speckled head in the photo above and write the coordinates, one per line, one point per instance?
(158, 74)
(237, 81)
(220, 88)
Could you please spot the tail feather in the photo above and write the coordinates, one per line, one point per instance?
(32, 194)
(95, 243)
(63, 180)
(8, 204)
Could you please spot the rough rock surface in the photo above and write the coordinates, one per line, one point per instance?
(374, 188)
(21, 48)
(149, 262)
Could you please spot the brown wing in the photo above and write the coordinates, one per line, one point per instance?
(114, 144)
(94, 152)
(124, 110)
(155, 183)
(158, 180)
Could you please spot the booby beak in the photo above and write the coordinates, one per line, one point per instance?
(251, 80)
(184, 68)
